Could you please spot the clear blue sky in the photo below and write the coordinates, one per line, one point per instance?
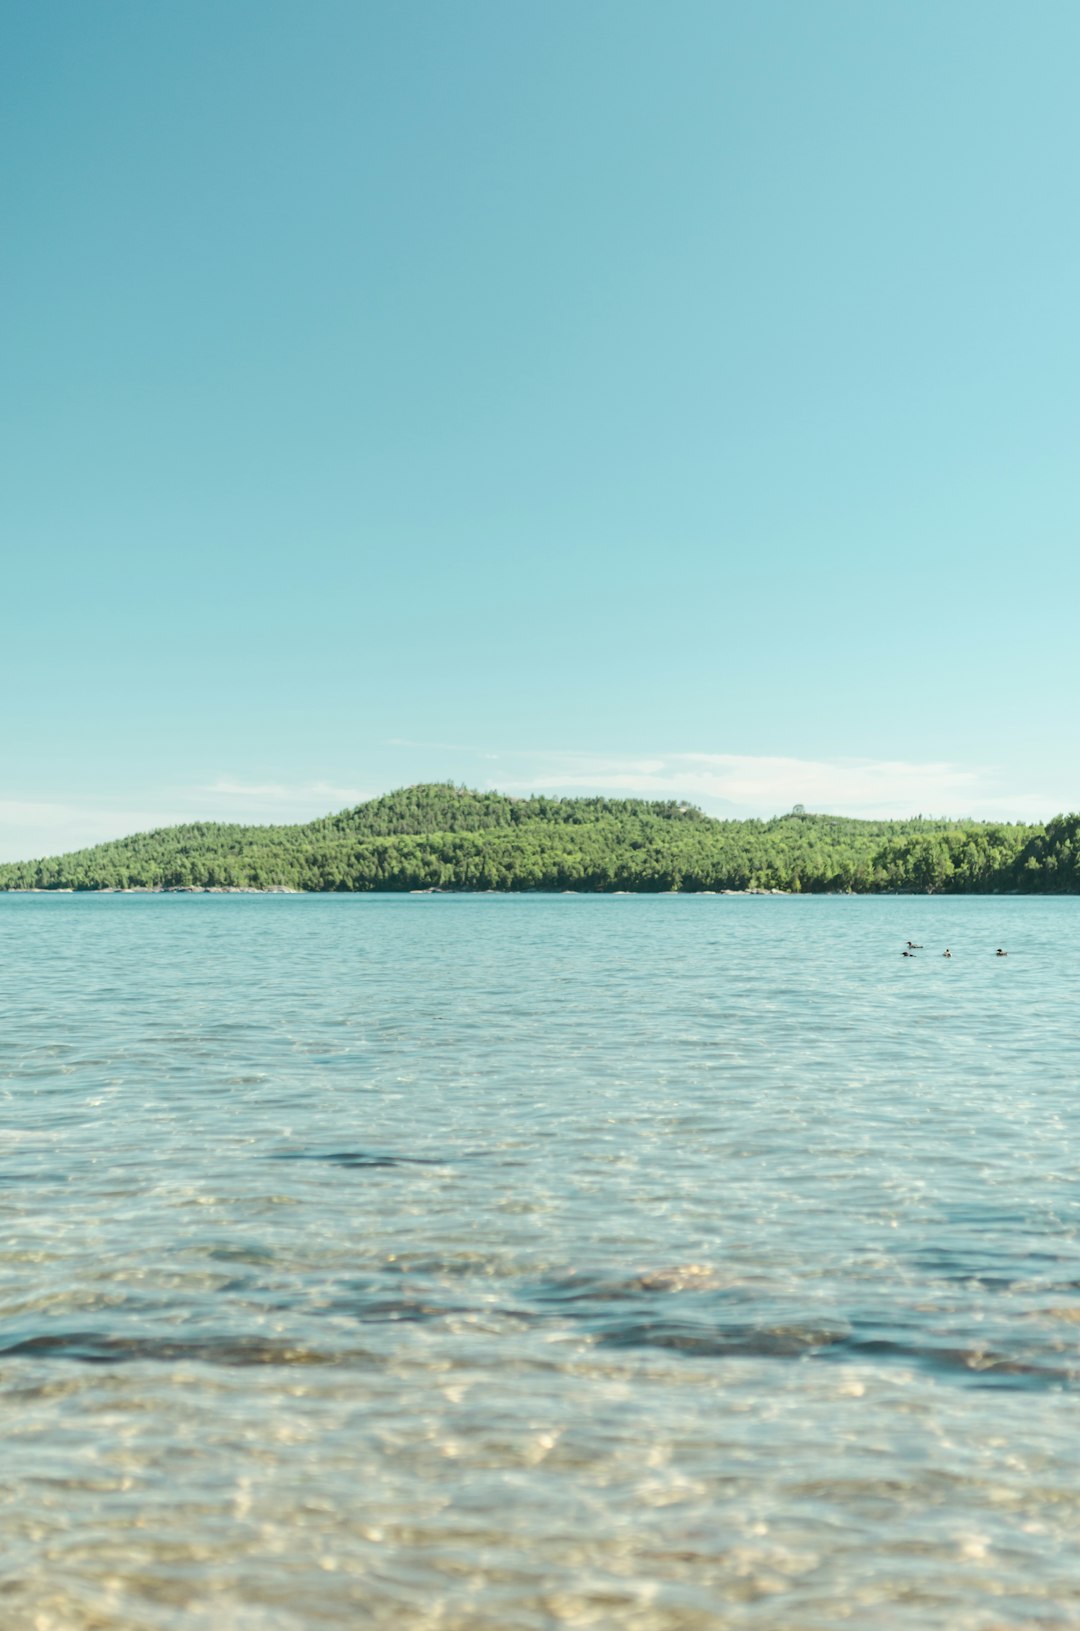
(605, 396)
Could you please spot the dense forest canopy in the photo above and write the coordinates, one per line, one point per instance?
(446, 837)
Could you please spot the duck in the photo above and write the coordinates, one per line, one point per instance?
(913, 946)
(1000, 953)
(907, 954)
(946, 952)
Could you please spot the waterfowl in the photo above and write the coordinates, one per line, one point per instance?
(1000, 953)
(907, 954)
(912, 946)
(946, 952)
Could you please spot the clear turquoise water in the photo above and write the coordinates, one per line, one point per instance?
(501, 1262)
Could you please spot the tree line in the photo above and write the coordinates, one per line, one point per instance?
(446, 837)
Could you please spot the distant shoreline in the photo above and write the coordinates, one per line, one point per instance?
(584, 894)
(445, 839)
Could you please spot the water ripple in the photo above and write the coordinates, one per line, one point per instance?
(687, 1264)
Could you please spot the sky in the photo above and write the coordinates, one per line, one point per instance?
(596, 397)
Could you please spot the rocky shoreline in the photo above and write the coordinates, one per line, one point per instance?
(286, 889)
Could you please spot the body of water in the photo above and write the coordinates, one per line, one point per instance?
(461, 1262)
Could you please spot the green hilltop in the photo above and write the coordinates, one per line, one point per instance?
(445, 837)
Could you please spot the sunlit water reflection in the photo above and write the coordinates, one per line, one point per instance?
(495, 1262)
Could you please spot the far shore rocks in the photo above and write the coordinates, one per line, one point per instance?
(214, 889)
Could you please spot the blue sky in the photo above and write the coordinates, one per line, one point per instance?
(607, 397)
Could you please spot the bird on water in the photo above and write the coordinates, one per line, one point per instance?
(1000, 953)
(946, 952)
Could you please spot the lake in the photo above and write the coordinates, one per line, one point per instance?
(504, 1263)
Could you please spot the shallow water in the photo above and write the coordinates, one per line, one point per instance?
(526, 1262)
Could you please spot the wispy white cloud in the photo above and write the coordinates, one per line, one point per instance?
(751, 784)
(34, 827)
(300, 793)
(31, 828)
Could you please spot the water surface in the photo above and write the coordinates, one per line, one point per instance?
(525, 1262)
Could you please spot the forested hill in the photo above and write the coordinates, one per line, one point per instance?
(447, 837)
